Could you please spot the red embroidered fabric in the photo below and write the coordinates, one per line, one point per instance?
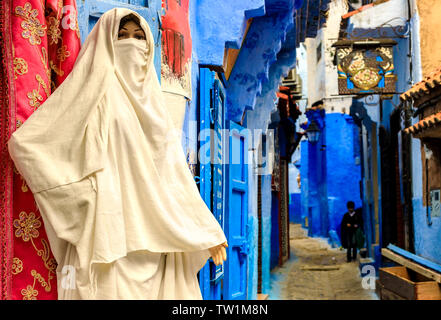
(41, 42)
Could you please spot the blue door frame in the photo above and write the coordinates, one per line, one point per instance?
(236, 213)
(211, 123)
(151, 10)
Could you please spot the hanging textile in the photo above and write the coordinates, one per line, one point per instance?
(39, 45)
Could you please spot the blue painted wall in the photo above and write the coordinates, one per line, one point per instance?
(325, 191)
(268, 45)
(274, 54)
(265, 39)
(304, 185)
(210, 31)
(266, 232)
(274, 261)
(315, 165)
(295, 210)
(343, 172)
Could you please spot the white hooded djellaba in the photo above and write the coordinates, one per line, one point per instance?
(123, 214)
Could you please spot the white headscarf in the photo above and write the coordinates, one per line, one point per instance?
(66, 140)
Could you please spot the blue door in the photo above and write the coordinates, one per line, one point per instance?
(211, 112)
(236, 213)
(90, 11)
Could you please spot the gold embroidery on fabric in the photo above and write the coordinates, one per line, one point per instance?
(27, 229)
(20, 67)
(34, 96)
(29, 293)
(54, 30)
(62, 53)
(49, 263)
(32, 27)
(34, 99)
(24, 186)
(57, 70)
(18, 124)
(43, 84)
(27, 226)
(45, 61)
(17, 266)
(41, 280)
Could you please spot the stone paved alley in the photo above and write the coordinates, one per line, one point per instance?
(316, 271)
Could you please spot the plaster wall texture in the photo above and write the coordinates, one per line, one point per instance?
(211, 32)
(266, 232)
(265, 103)
(262, 47)
(304, 185)
(343, 173)
(430, 24)
(341, 177)
(425, 58)
(302, 70)
(316, 80)
(274, 251)
(427, 237)
(322, 73)
(295, 213)
(393, 13)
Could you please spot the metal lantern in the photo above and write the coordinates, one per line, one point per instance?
(313, 132)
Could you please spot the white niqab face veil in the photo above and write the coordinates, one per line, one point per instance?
(131, 58)
(107, 172)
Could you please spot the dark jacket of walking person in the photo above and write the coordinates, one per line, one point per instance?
(351, 222)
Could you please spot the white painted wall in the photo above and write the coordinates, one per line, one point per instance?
(322, 74)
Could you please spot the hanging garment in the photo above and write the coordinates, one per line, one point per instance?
(39, 43)
(123, 214)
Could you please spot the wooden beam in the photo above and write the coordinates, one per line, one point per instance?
(411, 265)
(415, 258)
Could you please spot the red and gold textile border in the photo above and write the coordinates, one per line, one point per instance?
(6, 100)
(45, 42)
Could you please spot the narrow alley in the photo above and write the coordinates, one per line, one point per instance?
(316, 271)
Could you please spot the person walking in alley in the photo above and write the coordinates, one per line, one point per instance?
(351, 224)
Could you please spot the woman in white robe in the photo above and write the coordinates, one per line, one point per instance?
(123, 214)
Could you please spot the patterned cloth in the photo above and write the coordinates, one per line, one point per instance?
(40, 41)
